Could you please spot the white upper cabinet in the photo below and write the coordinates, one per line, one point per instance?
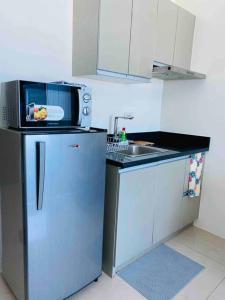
(184, 39)
(174, 35)
(142, 38)
(122, 38)
(114, 35)
(166, 31)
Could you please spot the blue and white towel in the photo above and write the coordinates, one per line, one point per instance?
(195, 175)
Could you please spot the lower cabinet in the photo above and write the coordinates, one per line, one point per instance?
(144, 206)
(135, 214)
(168, 207)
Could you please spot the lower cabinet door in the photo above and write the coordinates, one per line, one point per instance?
(135, 214)
(169, 195)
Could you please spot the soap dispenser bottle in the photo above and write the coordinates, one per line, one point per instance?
(123, 135)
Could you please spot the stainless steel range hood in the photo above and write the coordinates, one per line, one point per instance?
(166, 72)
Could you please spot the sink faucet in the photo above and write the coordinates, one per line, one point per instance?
(116, 123)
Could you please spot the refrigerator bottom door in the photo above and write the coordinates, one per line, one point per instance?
(64, 212)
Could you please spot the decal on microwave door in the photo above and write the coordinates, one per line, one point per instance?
(44, 113)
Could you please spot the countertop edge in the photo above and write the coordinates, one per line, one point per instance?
(156, 159)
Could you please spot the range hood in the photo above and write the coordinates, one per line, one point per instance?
(166, 72)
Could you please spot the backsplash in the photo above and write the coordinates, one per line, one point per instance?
(143, 101)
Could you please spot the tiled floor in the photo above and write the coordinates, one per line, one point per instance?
(196, 244)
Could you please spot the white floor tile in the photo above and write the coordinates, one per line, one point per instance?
(108, 289)
(204, 284)
(196, 256)
(219, 293)
(201, 286)
(204, 243)
(105, 289)
(198, 245)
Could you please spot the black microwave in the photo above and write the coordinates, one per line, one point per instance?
(46, 105)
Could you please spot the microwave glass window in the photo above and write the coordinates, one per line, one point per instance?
(50, 105)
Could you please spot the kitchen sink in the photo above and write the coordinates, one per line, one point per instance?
(137, 150)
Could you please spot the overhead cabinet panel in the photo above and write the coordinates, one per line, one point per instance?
(125, 38)
(85, 36)
(184, 39)
(142, 38)
(166, 31)
(114, 35)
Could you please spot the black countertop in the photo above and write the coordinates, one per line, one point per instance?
(178, 145)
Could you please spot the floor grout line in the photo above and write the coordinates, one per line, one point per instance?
(204, 255)
(199, 252)
(215, 288)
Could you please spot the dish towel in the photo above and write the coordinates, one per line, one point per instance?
(195, 175)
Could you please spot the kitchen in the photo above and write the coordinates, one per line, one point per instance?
(38, 47)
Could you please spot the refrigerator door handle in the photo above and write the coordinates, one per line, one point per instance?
(40, 169)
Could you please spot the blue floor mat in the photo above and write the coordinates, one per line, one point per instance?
(160, 274)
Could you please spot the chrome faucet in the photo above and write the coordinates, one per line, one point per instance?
(116, 123)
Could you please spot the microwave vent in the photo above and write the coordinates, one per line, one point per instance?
(4, 115)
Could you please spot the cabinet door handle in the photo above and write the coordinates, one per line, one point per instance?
(40, 168)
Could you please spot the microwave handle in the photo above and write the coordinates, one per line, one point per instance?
(80, 108)
(40, 169)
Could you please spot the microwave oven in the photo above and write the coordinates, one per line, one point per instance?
(30, 105)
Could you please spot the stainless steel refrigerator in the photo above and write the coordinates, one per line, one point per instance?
(52, 202)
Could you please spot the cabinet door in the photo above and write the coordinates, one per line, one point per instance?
(169, 194)
(114, 36)
(184, 39)
(85, 36)
(190, 206)
(135, 214)
(142, 38)
(166, 31)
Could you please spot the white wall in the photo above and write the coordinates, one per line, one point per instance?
(141, 100)
(36, 44)
(198, 107)
(35, 38)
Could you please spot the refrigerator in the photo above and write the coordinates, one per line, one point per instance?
(52, 204)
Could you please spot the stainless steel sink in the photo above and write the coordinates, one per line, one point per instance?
(136, 151)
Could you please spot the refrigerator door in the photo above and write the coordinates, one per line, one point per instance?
(64, 186)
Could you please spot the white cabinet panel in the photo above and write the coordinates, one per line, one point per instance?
(114, 35)
(169, 194)
(85, 36)
(135, 214)
(166, 31)
(142, 38)
(184, 39)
